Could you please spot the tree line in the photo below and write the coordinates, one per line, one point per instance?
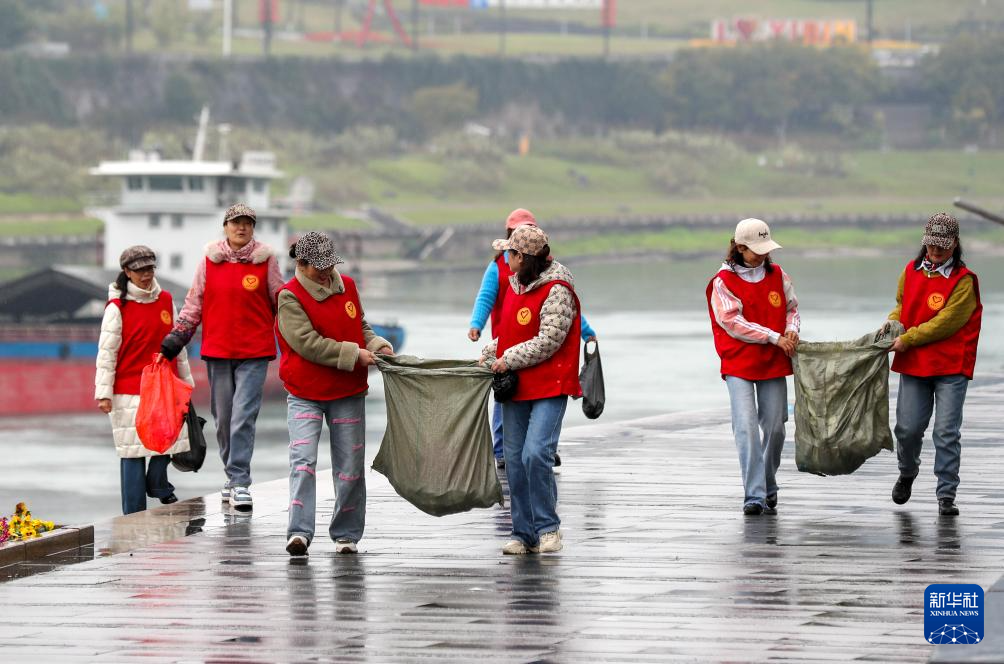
(757, 90)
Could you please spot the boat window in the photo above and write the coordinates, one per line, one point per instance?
(165, 183)
(238, 185)
(176, 260)
(195, 184)
(259, 185)
(134, 182)
(177, 221)
(154, 221)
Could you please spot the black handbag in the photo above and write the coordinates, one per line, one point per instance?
(504, 385)
(591, 380)
(192, 460)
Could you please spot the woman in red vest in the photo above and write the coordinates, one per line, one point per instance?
(326, 348)
(233, 298)
(538, 338)
(488, 305)
(138, 315)
(938, 302)
(755, 322)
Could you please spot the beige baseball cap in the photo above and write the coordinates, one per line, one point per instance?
(525, 239)
(755, 234)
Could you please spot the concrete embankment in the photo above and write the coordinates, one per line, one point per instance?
(659, 565)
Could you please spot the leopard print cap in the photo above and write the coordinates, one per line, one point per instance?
(317, 249)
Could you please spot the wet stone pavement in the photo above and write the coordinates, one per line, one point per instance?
(659, 565)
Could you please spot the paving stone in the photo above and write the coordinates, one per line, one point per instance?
(659, 565)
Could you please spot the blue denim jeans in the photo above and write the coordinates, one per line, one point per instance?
(497, 430)
(236, 387)
(758, 406)
(346, 420)
(945, 395)
(140, 481)
(530, 438)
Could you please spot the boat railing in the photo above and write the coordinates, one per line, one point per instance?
(41, 333)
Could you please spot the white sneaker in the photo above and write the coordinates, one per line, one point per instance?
(225, 494)
(343, 545)
(550, 542)
(517, 547)
(240, 498)
(297, 545)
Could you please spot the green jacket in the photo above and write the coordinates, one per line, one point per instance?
(296, 328)
(956, 312)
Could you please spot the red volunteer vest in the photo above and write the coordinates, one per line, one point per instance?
(237, 312)
(504, 273)
(144, 326)
(764, 303)
(520, 321)
(338, 317)
(923, 298)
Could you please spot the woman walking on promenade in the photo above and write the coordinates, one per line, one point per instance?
(137, 316)
(233, 297)
(938, 302)
(326, 348)
(755, 322)
(538, 338)
(488, 304)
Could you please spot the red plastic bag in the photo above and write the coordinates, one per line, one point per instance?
(163, 403)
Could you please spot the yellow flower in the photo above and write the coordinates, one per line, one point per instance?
(49, 525)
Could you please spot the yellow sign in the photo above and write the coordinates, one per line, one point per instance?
(350, 309)
(250, 282)
(936, 301)
(775, 298)
(524, 316)
(165, 317)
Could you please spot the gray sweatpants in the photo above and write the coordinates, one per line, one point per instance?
(346, 420)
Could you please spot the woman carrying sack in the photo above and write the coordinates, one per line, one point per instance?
(233, 297)
(538, 339)
(938, 302)
(326, 347)
(488, 304)
(755, 323)
(138, 315)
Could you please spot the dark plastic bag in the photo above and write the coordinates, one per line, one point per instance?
(591, 379)
(192, 460)
(437, 450)
(504, 385)
(163, 402)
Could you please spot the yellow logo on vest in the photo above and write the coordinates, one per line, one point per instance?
(524, 316)
(250, 282)
(350, 309)
(165, 317)
(936, 301)
(775, 298)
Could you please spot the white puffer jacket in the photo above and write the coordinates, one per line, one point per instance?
(124, 406)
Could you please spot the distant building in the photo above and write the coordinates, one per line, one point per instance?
(176, 207)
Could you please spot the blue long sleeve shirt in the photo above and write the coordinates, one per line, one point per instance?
(488, 293)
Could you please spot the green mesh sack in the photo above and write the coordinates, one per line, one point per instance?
(437, 450)
(842, 402)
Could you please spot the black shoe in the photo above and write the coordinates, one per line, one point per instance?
(557, 459)
(902, 489)
(772, 502)
(500, 463)
(753, 509)
(947, 507)
(167, 500)
(770, 511)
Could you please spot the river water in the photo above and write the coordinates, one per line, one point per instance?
(650, 316)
